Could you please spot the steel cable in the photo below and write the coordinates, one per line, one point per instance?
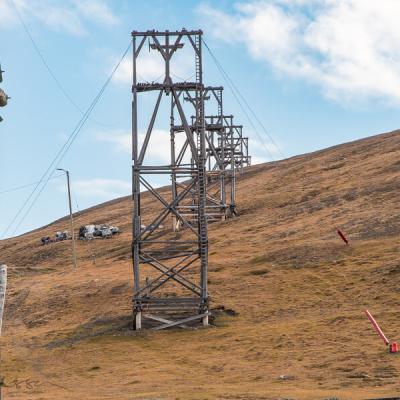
(61, 153)
(238, 95)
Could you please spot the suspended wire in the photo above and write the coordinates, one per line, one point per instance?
(141, 78)
(61, 153)
(237, 94)
(182, 79)
(72, 138)
(155, 80)
(177, 76)
(269, 153)
(190, 77)
(45, 63)
(58, 83)
(75, 200)
(239, 102)
(14, 189)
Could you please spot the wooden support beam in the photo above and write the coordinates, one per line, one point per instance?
(163, 320)
(180, 322)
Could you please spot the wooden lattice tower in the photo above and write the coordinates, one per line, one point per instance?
(170, 268)
(227, 155)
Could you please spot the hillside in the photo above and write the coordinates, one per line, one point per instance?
(289, 294)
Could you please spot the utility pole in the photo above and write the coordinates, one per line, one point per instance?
(71, 217)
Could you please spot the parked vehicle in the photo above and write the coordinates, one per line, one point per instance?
(114, 230)
(88, 232)
(61, 236)
(105, 231)
(46, 240)
(58, 237)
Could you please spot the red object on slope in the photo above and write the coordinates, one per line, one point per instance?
(376, 327)
(341, 234)
(394, 347)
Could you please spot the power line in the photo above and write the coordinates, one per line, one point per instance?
(72, 138)
(227, 80)
(35, 46)
(236, 92)
(46, 64)
(61, 153)
(14, 189)
(76, 201)
(245, 113)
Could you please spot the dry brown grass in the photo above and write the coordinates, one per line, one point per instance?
(298, 291)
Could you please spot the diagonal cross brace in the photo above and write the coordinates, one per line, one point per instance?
(186, 127)
(163, 320)
(169, 208)
(171, 273)
(179, 279)
(180, 322)
(149, 130)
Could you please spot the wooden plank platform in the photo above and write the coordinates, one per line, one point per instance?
(170, 304)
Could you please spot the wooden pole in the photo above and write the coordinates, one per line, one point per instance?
(3, 284)
(72, 222)
(71, 218)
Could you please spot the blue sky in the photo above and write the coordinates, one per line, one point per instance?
(316, 73)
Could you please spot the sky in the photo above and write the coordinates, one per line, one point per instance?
(314, 72)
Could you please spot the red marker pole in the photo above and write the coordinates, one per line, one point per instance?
(376, 327)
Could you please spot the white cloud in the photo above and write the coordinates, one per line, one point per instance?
(149, 68)
(69, 16)
(120, 141)
(158, 150)
(262, 152)
(109, 188)
(349, 48)
(97, 10)
(7, 16)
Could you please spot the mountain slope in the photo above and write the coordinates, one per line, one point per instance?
(293, 294)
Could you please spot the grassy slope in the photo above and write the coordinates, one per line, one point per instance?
(298, 290)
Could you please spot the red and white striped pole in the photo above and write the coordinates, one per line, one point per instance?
(376, 327)
(393, 347)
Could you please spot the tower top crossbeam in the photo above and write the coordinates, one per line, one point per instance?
(153, 32)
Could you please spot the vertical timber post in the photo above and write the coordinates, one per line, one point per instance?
(203, 235)
(173, 161)
(222, 161)
(71, 222)
(3, 285)
(233, 168)
(136, 226)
